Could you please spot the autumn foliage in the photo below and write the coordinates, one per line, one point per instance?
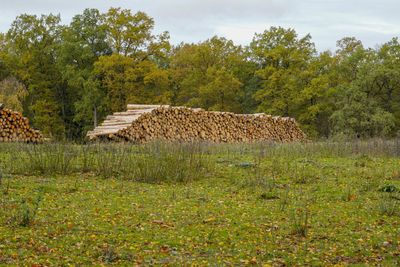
(67, 78)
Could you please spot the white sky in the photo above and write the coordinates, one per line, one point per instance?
(373, 22)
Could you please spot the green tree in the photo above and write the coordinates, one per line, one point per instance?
(386, 78)
(220, 92)
(131, 35)
(350, 55)
(359, 115)
(317, 98)
(4, 71)
(208, 75)
(83, 42)
(136, 72)
(358, 110)
(128, 81)
(128, 33)
(31, 58)
(283, 61)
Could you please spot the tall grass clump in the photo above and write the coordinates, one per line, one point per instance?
(109, 160)
(389, 206)
(150, 163)
(48, 158)
(153, 163)
(170, 163)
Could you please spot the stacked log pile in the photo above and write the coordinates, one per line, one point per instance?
(15, 128)
(143, 123)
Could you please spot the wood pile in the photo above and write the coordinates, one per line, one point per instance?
(15, 128)
(145, 123)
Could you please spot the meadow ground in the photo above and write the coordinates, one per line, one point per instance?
(322, 203)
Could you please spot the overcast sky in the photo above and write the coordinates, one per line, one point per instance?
(372, 21)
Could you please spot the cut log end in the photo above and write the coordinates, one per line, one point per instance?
(15, 128)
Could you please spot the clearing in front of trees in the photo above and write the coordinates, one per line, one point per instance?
(204, 204)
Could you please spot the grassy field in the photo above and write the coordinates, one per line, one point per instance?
(171, 204)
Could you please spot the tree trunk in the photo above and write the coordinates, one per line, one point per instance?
(95, 115)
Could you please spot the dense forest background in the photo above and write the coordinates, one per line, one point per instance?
(67, 78)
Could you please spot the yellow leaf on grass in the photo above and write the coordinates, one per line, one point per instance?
(209, 220)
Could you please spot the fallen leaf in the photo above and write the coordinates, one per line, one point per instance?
(209, 220)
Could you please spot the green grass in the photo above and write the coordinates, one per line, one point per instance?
(202, 204)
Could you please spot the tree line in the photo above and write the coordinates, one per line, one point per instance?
(67, 78)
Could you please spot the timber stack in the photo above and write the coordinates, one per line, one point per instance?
(15, 128)
(146, 123)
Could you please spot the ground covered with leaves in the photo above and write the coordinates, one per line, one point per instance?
(309, 204)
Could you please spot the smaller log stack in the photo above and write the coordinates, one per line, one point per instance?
(146, 123)
(15, 128)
